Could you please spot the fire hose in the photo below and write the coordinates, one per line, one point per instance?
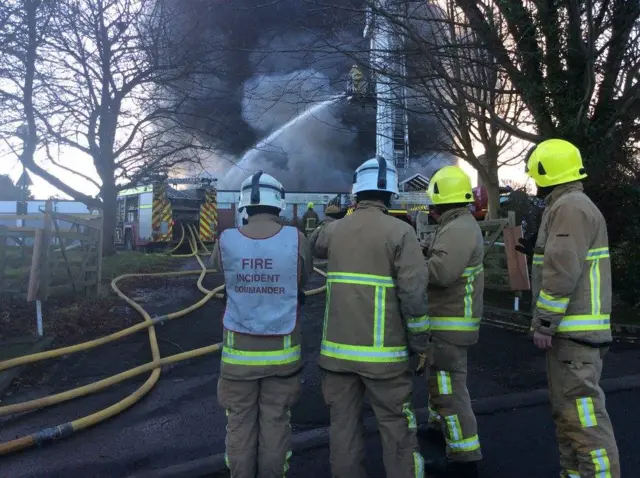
(67, 429)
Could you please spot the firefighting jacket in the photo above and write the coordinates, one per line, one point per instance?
(309, 220)
(252, 357)
(376, 303)
(456, 278)
(313, 237)
(571, 274)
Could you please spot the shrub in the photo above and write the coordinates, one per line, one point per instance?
(625, 263)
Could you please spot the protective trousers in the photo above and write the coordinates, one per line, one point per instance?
(391, 403)
(449, 400)
(258, 424)
(586, 441)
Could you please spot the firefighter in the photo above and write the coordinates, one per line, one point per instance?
(309, 220)
(456, 282)
(332, 213)
(356, 79)
(571, 285)
(265, 267)
(375, 318)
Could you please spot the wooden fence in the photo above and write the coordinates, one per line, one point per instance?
(61, 254)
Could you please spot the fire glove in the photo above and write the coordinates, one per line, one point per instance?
(525, 246)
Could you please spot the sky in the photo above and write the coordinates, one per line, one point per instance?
(43, 190)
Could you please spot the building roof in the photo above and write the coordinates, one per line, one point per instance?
(417, 182)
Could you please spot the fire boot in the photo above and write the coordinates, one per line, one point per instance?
(443, 468)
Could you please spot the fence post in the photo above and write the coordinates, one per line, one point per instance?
(100, 246)
(45, 252)
(517, 265)
(35, 278)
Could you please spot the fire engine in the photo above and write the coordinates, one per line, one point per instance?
(151, 215)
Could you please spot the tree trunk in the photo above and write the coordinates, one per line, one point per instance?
(108, 193)
(488, 177)
(493, 194)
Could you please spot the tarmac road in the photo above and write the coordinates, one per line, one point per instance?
(179, 420)
(515, 444)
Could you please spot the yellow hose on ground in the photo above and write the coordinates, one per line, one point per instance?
(28, 359)
(206, 252)
(155, 365)
(104, 383)
(180, 241)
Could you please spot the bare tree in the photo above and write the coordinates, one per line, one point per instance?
(576, 65)
(109, 81)
(451, 78)
(23, 26)
(458, 81)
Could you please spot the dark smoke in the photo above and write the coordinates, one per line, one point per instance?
(274, 63)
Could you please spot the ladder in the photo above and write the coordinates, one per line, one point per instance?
(401, 118)
(400, 139)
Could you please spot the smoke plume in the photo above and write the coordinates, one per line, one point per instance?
(279, 62)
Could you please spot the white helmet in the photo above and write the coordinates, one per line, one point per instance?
(261, 189)
(375, 174)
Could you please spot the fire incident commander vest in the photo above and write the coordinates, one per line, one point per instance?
(261, 277)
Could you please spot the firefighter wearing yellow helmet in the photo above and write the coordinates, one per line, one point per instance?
(309, 220)
(456, 283)
(571, 285)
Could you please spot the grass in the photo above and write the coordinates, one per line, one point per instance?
(135, 263)
(73, 318)
(16, 274)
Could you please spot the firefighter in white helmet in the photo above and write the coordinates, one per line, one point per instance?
(456, 284)
(265, 267)
(375, 319)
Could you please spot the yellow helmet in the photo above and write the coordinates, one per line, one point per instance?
(450, 185)
(554, 162)
(310, 205)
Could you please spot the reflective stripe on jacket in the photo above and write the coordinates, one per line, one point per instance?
(571, 276)
(456, 278)
(376, 302)
(309, 221)
(248, 357)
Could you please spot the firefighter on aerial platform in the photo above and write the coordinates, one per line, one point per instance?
(375, 318)
(266, 266)
(456, 282)
(571, 285)
(357, 85)
(309, 220)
